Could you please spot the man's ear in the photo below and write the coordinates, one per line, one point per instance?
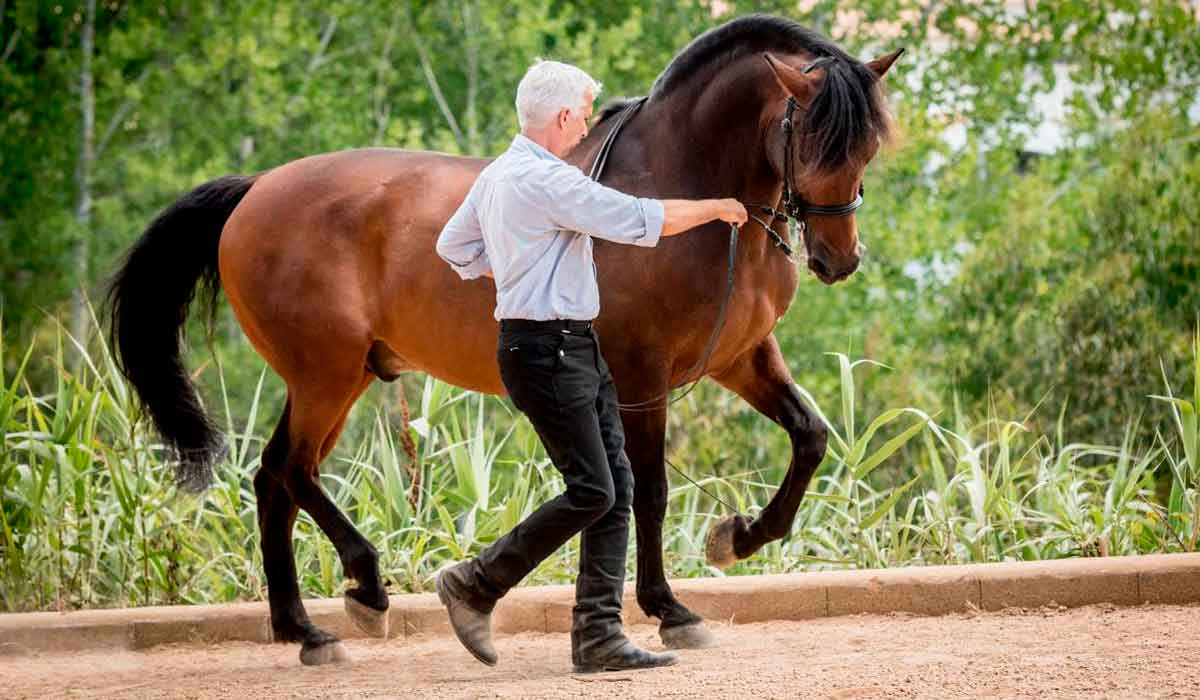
(879, 66)
(802, 85)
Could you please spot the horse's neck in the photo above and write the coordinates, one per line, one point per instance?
(716, 149)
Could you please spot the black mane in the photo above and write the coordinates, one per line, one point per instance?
(846, 115)
(752, 33)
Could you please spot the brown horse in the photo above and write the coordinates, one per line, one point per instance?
(329, 264)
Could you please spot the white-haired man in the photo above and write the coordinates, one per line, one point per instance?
(528, 222)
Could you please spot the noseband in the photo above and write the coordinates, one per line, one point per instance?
(791, 205)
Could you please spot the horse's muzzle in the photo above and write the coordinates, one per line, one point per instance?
(831, 268)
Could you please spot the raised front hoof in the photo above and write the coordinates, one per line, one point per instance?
(718, 548)
(321, 653)
(373, 623)
(691, 636)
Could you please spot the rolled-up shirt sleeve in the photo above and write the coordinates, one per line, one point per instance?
(574, 201)
(461, 244)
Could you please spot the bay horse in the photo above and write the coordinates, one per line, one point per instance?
(329, 265)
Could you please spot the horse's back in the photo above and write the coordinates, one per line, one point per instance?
(354, 185)
(322, 248)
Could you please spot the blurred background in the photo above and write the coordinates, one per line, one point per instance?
(1032, 281)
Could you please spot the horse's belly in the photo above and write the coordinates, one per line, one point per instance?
(443, 327)
(465, 364)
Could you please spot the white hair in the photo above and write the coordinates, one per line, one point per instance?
(549, 86)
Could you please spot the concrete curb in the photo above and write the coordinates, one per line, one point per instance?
(932, 590)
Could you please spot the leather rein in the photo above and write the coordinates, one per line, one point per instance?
(791, 207)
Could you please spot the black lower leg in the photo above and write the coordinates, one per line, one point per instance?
(654, 594)
(276, 516)
(360, 560)
(764, 381)
(644, 438)
(289, 621)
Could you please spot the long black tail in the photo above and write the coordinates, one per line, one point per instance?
(149, 298)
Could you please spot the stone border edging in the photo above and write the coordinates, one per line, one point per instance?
(931, 590)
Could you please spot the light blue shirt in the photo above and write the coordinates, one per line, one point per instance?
(529, 219)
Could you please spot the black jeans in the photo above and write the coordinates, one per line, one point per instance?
(561, 382)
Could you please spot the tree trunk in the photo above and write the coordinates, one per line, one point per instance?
(472, 78)
(83, 168)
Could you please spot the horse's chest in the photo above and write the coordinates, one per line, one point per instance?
(756, 314)
(768, 297)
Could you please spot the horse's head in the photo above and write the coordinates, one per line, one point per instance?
(834, 119)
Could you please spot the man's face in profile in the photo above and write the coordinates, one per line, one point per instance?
(575, 125)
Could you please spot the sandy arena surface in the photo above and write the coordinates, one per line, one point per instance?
(1097, 651)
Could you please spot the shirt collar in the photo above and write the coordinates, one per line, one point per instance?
(524, 142)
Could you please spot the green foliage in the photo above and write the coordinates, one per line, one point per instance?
(992, 286)
(191, 90)
(1097, 279)
(1183, 505)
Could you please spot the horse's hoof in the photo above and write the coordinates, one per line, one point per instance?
(331, 652)
(693, 636)
(371, 621)
(718, 547)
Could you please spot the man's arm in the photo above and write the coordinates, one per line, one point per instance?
(685, 214)
(576, 202)
(461, 245)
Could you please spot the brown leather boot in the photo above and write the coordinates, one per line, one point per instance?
(472, 627)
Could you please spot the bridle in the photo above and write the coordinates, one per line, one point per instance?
(791, 207)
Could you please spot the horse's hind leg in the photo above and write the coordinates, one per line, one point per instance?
(276, 518)
(306, 432)
(366, 604)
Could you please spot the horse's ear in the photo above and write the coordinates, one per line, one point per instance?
(880, 65)
(797, 83)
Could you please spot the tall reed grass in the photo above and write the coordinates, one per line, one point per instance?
(91, 518)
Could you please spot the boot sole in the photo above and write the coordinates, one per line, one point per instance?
(605, 668)
(444, 597)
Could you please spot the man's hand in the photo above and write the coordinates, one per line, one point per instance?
(685, 214)
(731, 211)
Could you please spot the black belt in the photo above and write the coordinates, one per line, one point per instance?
(558, 324)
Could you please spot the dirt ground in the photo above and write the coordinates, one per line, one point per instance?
(1098, 651)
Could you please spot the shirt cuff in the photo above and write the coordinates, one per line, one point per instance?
(473, 269)
(654, 215)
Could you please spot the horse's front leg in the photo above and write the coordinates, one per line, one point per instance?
(761, 377)
(645, 431)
